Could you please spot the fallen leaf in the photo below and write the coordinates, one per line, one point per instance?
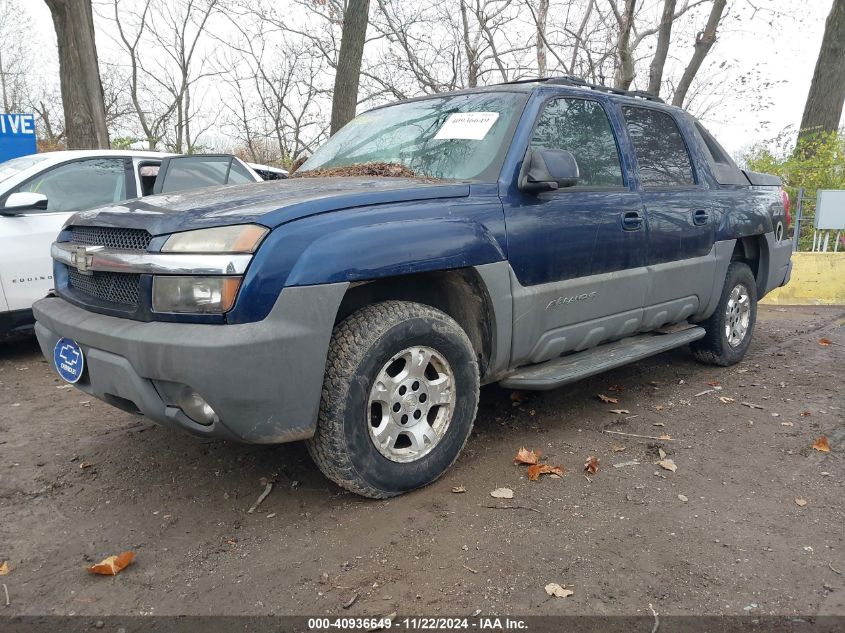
(458, 489)
(112, 565)
(607, 399)
(518, 397)
(85, 465)
(726, 399)
(787, 424)
(617, 388)
(714, 383)
(659, 407)
(502, 493)
(664, 437)
(619, 411)
(662, 453)
(801, 502)
(592, 465)
(805, 414)
(683, 498)
(556, 590)
(824, 342)
(617, 449)
(821, 444)
(535, 470)
(524, 456)
(668, 464)
(4, 568)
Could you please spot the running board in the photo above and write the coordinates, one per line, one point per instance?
(566, 369)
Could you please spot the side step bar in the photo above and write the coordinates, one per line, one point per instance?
(561, 371)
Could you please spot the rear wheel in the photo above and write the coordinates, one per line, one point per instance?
(399, 399)
(730, 328)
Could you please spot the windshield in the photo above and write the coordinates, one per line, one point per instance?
(17, 165)
(458, 137)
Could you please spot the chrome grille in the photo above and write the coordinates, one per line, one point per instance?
(110, 237)
(122, 288)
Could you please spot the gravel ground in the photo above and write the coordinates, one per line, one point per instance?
(723, 534)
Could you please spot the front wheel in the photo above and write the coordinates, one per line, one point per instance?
(399, 398)
(731, 326)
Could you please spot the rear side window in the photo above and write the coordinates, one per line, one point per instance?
(192, 172)
(581, 127)
(81, 184)
(661, 153)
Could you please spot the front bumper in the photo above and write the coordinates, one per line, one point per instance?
(263, 379)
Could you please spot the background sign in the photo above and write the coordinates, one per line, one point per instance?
(17, 135)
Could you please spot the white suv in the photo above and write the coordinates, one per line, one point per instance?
(38, 193)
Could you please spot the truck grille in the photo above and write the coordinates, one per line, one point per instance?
(123, 288)
(133, 239)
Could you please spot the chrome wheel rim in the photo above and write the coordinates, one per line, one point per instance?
(737, 315)
(411, 404)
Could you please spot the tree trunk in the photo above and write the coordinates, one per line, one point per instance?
(823, 109)
(82, 91)
(664, 36)
(348, 74)
(625, 71)
(542, 14)
(703, 43)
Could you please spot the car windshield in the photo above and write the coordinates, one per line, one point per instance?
(15, 166)
(460, 137)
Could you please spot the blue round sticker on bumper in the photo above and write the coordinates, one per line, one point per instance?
(68, 359)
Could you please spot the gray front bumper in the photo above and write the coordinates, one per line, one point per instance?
(262, 379)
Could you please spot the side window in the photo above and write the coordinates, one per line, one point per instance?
(581, 127)
(80, 185)
(192, 172)
(661, 154)
(239, 174)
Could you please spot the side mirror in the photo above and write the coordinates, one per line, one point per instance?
(547, 170)
(23, 201)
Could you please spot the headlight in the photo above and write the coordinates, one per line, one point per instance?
(199, 295)
(240, 238)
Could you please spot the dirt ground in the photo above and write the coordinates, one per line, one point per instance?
(721, 535)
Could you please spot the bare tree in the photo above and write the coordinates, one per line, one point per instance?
(625, 71)
(664, 37)
(704, 41)
(542, 17)
(348, 73)
(161, 86)
(82, 91)
(823, 109)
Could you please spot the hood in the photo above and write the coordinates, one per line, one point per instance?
(269, 203)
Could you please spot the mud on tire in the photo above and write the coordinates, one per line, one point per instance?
(361, 346)
(716, 348)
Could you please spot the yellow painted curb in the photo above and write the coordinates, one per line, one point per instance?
(817, 279)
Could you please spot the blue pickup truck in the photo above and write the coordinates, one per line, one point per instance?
(529, 234)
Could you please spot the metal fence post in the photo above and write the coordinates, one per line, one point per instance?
(797, 232)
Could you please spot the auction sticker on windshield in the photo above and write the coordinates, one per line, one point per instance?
(469, 126)
(69, 360)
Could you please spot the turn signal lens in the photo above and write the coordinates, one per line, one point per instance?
(197, 295)
(240, 238)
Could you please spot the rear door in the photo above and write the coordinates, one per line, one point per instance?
(578, 253)
(680, 215)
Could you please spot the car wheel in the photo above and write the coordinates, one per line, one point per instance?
(730, 328)
(399, 399)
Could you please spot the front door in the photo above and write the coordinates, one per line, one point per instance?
(579, 253)
(26, 268)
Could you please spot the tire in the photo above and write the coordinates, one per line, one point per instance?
(717, 347)
(394, 336)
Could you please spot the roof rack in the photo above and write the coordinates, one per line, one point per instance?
(569, 80)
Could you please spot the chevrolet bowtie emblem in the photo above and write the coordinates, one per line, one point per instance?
(81, 259)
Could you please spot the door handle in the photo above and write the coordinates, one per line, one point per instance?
(632, 220)
(700, 217)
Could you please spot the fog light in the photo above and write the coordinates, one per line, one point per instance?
(195, 407)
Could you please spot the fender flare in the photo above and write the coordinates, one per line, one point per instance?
(375, 251)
